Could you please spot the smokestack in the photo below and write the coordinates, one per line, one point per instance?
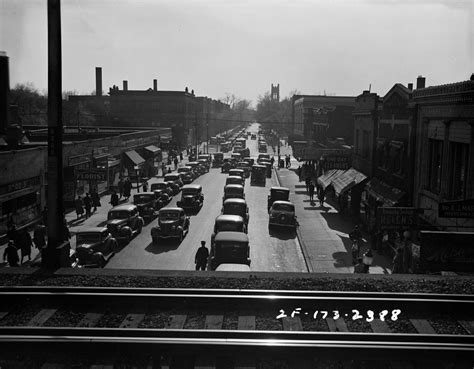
(420, 82)
(125, 85)
(4, 92)
(155, 85)
(410, 86)
(98, 81)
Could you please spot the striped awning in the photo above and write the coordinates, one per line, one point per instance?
(133, 158)
(325, 180)
(383, 192)
(347, 180)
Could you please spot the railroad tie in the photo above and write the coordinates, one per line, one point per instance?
(468, 325)
(338, 325)
(132, 321)
(379, 326)
(90, 320)
(423, 326)
(214, 322)
(246, 323)
(176, 322)
(3, 314)
(292, 324)
(39, 319)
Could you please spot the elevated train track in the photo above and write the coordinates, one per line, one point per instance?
(189, 327)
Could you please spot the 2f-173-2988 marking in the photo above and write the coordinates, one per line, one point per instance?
(355, 314)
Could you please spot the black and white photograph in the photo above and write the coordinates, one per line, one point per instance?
(265, 184)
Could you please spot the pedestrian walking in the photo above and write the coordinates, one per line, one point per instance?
(175, 163)
(79, 207)
(120, 186)
(25, 244)
(287, 159)
(201, 257)
(321, 197)
(95, 200)
(272, 160)
(127, 188)
(311, 192)
(145, 186)
(88, 205)
(360, 267)
(12, 234)
(307, 182)
(39, 236)
(398, 261)
(163, 168)
(11, 254)
(169, 170)
(114, 199)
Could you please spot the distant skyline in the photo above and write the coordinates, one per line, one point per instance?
(241, 47)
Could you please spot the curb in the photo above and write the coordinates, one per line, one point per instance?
(303, 247)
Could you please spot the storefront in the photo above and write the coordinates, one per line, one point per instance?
(152, 156)
(132, 165)
(100, 162)
(348, 187)
(72, 186)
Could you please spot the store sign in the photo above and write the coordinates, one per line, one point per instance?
(456, 209)
(91, 175)
(19, 185)
(315, 153)
(396, 218)
(337, 162)
(447, 251)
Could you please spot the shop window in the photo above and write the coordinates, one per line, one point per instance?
(458, 164)
(435, 159)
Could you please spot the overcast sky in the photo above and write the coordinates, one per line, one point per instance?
(242, 47)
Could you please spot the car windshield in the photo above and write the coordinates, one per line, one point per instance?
(158, 186)
(190, 191)
(279, 194)
(142, 199)
(233, 209)
(169, 215)
(172, 177)
(118, 214)
(235, 190)
(231, 249)
(87, 238)
(284, 207)
(229, 226)
(183, 170)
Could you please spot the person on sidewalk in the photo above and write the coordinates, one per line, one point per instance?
(307, 182)
(311, 192)
(39, 236)
(145, 186)
(163, 169)
(360, 267)
(321, 197)
(79, 207)
(88, 205)
(25, 244)
(11, 254)
(120, 187)
(201, 257)
(175, 163)
(397, 267)
(127, 189)
(95, 200)
(114, 199)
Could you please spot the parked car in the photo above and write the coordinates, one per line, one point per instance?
(233, 191)
(263, 156)
(192, 197)
(147, 204)
(229, 267)
(237, 172)
(235, 180)
(197, 169)
(172, 223)
(235, 156)
(164, 186)
(207, 157)
(124, 222)
(230, 247)
(249, 160)
(228, 223)
(226, 166)
(277, 194)
(95, 246)
(234, 206)
(204, 164)
(268, 165)
(258, 175)
(282, 214)
(162, 198)
(218, 159)
(174, 187)
(73, 260)
(174, 177)
(245, 167)
(187, 174)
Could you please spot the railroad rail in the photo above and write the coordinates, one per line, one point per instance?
(188, 327)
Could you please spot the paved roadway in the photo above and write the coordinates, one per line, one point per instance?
(275, 252)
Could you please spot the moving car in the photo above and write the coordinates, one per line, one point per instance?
(277, 194)
(235, 180)
(192, 197)
(230, 247)
(218, 159)
(263, 156)
(235, 156)
(258, 174)
(147, 204)
(233, 191)
(226, 166)
(245, 167)
(163, 186)
(237, 172)
(234, 206)
(207, 157)
(162, 198)
(197, 169)
(253, 136)
(124, 222)
(228, 223)
(282, 214)
(204, 165)
(95, 246)
(172, 223)
(175, 188)
(174, 177)
(187, 174)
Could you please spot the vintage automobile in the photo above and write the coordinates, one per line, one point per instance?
(162, 186)
(124, 222)
(187, 174)
(245, 167)
(95, 246)
(277, 194)
(249, 160)
(162, 198)
(172, 223)
(228, 223)
(229, 267)
(192, 197)
(235, 156)
(230, 247)
(175, 177)
(237, 172)
(204, 164)
(175, 188)
(235, 180)
(263, 156)
(233, 191)
(147, 204)
(218, 159)
(268, 166)
(197, 169)
(73, 260)
(234, 206)
(207, 157)
(282, 214)
(258, 175)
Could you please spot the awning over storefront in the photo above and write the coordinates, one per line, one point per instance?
(153, 149)
(345, 181)
(383, 192)
(132, 158)
(326, 178)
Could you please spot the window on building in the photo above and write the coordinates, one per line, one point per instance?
(458, 164)
(435, 159)
(365, 144)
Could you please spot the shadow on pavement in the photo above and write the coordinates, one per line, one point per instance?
(342, 259)
(335, 222)
(282, 234)
(162, 247)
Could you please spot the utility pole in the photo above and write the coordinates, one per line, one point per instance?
(56, 254)
(196, 132)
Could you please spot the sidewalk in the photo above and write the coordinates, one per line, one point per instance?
(323, 232)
